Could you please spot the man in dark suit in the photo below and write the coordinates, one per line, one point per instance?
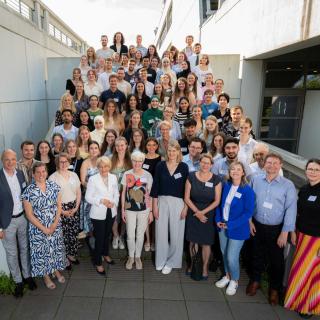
(13, 223)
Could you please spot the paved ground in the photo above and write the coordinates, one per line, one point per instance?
(145, 294)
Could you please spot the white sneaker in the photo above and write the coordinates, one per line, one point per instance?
(121, 244)
(159, 268)
(232, 288)
(222, 282)
(115, 243)
(166, 270)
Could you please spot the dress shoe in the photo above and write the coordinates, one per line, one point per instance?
(273, 297)
(30, 283)
(102, 272)
(111, 261)
(18, 290)
(252, 288)
(305, 315)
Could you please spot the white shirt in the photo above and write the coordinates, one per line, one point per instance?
(94, 90)
(15, 189)
(246, 150)
(125, 87)
(103, 80)
(230, 196)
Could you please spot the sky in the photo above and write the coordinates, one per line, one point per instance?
(92, 18)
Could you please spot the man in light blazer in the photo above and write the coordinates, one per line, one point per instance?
(13, 223)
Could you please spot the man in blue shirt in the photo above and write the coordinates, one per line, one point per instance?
(192, 158)
(67, 129)
(208, 107)
(274, 217)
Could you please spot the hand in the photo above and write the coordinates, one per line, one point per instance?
(2, 234)
(183, 213)
(66, 213)
(110, 204)
(293, 237)
(201, 216)
(156, 213)
(282, 239)
(150, 217)
(222, 225)
(124, 218)
(252, 228)
(47, 231)
(52, 228)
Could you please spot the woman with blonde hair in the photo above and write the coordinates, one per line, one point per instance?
(83, 142)
(169, 209)
(92, 87)
(210, 129)
(167, 85)
(92, 57)
(181, 90)
(197, 116)
(84, 67)
(112, 118)
(66, 102)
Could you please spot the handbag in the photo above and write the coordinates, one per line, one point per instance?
(196, 263)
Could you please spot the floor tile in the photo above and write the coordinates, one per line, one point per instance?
(201, 292)
(85, 288)
(162, 291)
(208, 310)
(165, 309)
(7, 305)
(123, 289)
(252, 311)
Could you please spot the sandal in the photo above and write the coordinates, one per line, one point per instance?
(49, 284)
(60, 278)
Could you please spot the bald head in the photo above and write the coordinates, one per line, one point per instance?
(260, 151)
(9, 160)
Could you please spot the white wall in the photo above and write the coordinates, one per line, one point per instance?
(309, 145)
(23, 100)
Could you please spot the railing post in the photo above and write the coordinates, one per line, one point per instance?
(46, 21)
(37, 14)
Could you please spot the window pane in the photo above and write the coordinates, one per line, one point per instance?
(280, 106)
(288, 145)
(279, 128)
(313, 76)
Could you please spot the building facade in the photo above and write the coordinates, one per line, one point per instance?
(268, 53)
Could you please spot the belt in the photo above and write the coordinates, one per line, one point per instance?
(18, 215)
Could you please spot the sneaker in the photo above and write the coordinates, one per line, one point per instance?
(82, 235)
(129, 263)
(138, 264)
(147, 247)
(159, 268)
(121, 244)
(222, 282)
(232, 288)
(166, 270)
(115, 243)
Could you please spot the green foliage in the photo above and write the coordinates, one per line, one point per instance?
(7, 285)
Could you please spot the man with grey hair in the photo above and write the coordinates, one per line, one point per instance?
(13, 223)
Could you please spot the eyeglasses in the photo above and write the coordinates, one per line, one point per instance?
(63, 162)
(314, 170)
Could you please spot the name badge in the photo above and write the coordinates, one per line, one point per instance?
(221, 171)
(70, 167)
(24, 185)
(219, 120)
(209, 184)
(181, 122)
(238, 195)
(184, 149)
(151, 121)
(145, 166)
(177, 175)
(143, 180)
(312, 198)
(267, 205)
(149, 75)
(116, 99)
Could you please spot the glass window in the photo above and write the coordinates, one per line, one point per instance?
(280, 106)
(289, 145)
(313, 76)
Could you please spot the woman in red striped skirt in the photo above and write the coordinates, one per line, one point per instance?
(303, 291)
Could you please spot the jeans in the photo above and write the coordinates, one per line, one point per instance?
(230, 249)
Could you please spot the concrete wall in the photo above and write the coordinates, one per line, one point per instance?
(309, 145)
(23, 99)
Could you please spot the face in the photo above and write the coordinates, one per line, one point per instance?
(111, 108)
(203, 61)
(154, 103)
(84, 135)
(133, 102)
(223, 103)
(165, 131)
(168, 113)
(116, 57)
(218, 142)
(91, 76)
(211, 125)
(137, 137)
(135, 120)
(93, 102)
(76, 74)
(165, 80)
(189, 41)
(138, 55)
(67, 102)
(131, 65)
(195, 149)
(218, 85)
(143, 75)
(151, 146)
(98, 124)
(313, 172)
(9, 161)
(28, 151)
(84, 60)
(272, 166)
(245, 128)
(154, 63)
(158, 88)
(94, 150)
(205, 165)
(181, 85)
(209, 78)
(145, 62)
(101, 61)
(190, 131)
(118, 37)
(166, 63)
(197, 113)
(191, 79)
(104, 169)
(125, 60)
(57, 142)
(90, 52)
(184, 65)
(121, 146)
(151, 50)
(197, 49)
(259, 155)
(40, 174)
(231, 150)
(121, 74)
(72, 149)
(236, 172)
(113, 82)
(44, 149)
(208, 96)
(172, 153)
(139, 39)
(63, 163)
(110, 138)
(104, 41)
(79, 87)
(84, 118)
(236, 115)
(140, 87)
(136, 164)
(109, 65)
(180, 58)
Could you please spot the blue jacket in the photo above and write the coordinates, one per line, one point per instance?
(241, 210)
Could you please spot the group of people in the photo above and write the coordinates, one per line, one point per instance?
(147, 154)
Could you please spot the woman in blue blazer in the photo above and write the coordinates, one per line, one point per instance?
(232, 218)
